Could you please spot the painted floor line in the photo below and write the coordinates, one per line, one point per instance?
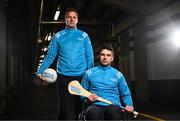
(151, 117)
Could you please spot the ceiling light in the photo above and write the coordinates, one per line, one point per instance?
(45, 49)
(176, 38)
(49, 37)
(41, 61)
(39, 40)
(39, 64)
(42, 56)
(56, 15)
(46, 38)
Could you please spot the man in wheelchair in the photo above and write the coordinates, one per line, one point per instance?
(106, 82)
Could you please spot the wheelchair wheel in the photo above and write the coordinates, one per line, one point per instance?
(127, 116)
(82, 116)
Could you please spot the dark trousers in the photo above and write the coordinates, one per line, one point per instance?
(69, 105)
(99, 112)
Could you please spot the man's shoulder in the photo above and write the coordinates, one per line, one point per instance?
(82, 33)
(114, 69)
(59, 33)
(94, 68)
(116, 72)
(91, 70)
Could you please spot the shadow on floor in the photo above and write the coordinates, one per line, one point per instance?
(38, 103)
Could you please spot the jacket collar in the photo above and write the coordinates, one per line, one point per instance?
(70, 29)
(104, 67)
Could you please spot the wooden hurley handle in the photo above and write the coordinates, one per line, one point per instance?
(75, 88)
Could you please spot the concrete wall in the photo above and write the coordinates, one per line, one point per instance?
(156, 58)
(163, 56)
(15, 55)
(2, 58)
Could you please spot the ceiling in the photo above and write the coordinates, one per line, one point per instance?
(41, 12)
(95, 10)
(92, 12)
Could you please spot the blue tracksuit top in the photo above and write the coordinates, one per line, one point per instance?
(108, 83)
(74, 52)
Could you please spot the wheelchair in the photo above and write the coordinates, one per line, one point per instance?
(125, 115)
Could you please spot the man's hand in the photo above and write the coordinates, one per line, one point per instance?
(129, 108)
(92, 97)
(40, 79)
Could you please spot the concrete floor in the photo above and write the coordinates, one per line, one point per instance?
(40, 103)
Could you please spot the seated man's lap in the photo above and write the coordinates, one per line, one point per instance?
(95, 112)
(113, 112)
(98, 112)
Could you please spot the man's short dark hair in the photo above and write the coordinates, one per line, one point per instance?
(70, 10)
(107, 46)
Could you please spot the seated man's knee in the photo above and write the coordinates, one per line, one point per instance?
(94, 112)
(113, 112)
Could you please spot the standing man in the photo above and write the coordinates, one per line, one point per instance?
(74, 56)
(108, 83)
